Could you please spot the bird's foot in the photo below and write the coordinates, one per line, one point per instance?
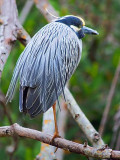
(56, 135)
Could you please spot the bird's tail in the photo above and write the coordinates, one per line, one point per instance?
(29, 101)
(12, 86)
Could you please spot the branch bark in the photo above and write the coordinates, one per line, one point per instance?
(16, 130)
(10, 30)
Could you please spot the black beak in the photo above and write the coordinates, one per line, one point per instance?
(87, 30)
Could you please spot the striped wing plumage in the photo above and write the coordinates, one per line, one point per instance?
(44, 67)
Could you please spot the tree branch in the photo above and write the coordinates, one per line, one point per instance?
(7, 29)
(16, 130)
(10, 30)
(25, 11)
(22, 35)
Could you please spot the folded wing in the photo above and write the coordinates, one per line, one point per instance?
(44, 68)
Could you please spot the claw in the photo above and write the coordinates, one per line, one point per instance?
(56, 135)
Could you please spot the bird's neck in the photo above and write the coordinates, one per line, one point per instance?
(80, 34)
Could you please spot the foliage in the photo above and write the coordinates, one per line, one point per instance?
(90, 83)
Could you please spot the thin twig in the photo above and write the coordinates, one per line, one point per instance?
(43, 6)
(109, 100)
(25, 11)
(88, 151)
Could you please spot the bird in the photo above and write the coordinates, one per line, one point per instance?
(47, 63)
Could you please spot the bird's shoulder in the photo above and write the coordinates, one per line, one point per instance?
(54, 30)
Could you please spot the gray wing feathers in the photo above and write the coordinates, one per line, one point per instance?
(44, 68)
(10, 92)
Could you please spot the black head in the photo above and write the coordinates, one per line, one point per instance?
(72, 20)
(77, 24)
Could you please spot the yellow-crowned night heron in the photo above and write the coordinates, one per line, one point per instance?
(47, 63)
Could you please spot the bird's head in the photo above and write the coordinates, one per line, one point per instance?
(78, 25)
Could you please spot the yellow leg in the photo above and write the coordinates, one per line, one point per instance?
(56, 134)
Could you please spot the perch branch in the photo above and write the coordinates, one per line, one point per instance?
(16, 130)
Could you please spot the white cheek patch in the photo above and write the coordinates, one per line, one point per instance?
(76, 29)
